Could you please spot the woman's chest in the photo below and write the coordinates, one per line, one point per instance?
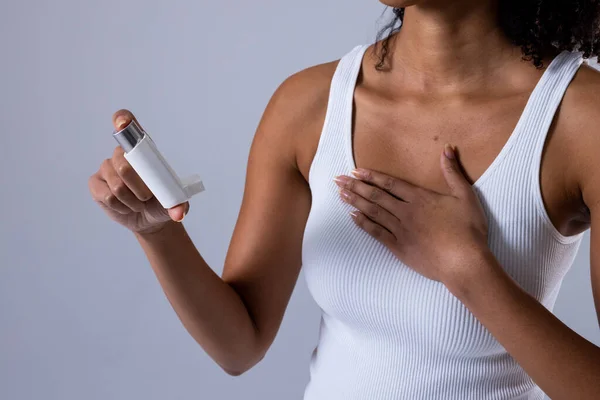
(405, 141)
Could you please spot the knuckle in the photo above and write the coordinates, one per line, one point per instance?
(119, 189)
(107, 163)
(389, 183)
(373, 210)
(124, 169)
(375, 194)
(111, 200)
(351, 184)
(377, 231)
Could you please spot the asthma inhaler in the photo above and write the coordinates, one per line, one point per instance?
(143, 155)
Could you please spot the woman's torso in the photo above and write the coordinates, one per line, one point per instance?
(403, 137)
(387, 332)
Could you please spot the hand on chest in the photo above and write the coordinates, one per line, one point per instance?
(403, 139)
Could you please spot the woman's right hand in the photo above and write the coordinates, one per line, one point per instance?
(122, 194)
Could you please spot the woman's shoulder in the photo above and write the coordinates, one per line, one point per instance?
(583, 94)
(295, 111)
(578, 127)
(300, 103)
(303, 98)
(580, 107)
(307, 89)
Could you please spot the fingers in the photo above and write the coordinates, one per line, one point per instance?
(122, 167)
(375, 212)
(118, 187)
(401, 189)
(372, 193)
(374, 229)
(102, 194)
(128, 175)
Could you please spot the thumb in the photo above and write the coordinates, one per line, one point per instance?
(178, 212)
(452, 171)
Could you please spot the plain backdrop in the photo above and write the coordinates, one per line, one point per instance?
(82, 315)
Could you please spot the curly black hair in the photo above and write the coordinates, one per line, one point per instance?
(542, 28)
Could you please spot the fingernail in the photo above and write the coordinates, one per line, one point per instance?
(354, 213)
(359, 173)
(184, 214)
(121, 120)
(448, 151)
(341, 180)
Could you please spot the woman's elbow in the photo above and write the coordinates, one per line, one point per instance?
(240, 371)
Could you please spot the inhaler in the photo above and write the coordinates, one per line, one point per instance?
(143, 155)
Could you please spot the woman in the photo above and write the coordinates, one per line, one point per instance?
(435, 276)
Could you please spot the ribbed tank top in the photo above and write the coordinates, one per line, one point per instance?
(386, 332)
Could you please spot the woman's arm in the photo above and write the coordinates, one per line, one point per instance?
(235, 318)
(560, 361)
(563, 363)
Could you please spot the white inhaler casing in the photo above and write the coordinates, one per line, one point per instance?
(143, 155)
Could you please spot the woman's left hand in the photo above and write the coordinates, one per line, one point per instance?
(435, 234)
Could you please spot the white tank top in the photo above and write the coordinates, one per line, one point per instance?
(386, 332)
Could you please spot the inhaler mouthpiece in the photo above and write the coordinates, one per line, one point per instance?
(143, 155)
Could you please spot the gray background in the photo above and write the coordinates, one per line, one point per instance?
(81, 314)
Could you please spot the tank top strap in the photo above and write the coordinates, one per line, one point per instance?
(518, 157)
(331, 155)
(545, 103)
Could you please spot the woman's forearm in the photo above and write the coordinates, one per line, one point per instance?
(210, 309)
(564, 364)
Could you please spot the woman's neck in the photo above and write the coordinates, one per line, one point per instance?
(450, 48)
